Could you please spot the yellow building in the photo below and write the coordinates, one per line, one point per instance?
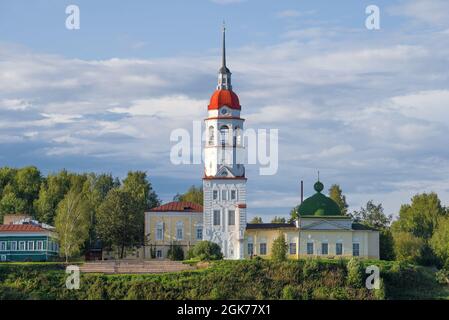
(174, 223)
(320, 230)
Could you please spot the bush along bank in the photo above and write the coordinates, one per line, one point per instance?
(248, 279)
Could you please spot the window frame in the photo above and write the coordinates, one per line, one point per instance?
(308, 246)
(250, 252)
(292, 245)
(39, 245)
(4, 244)
(231, 214)
(216, 217)
(15, 245)
(325, 245)
(199, 230)
(358, 249)
(24, 246)
(337, 245)
(264, 246)
(233, 195)
(28, 245)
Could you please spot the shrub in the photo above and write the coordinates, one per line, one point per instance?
(311, 266)
(355, 273)
(407, 247)
(442, 276)
(279, 249)
(206, 250)
(289, 293)
(175, 253)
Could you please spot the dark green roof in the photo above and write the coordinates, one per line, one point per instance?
(360, 226)
(319, 204)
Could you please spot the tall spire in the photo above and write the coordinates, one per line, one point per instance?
(224, 74)
(223, 64)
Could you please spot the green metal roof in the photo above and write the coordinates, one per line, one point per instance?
(319, 205)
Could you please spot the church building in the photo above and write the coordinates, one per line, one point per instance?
(320, 229)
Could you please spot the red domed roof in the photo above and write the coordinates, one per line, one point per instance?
(224, 98)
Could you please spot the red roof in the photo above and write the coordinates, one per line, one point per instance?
(224, 98)
(179, 207)
(21, 228)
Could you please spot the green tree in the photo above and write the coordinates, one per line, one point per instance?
(7, 176)
(139, 187)
(28, 181)
(206, 250)
(373, 216)
(420, 219)
(256, 220)
(336, 194)
(194, 194)
(175, 252)
(355, 273)
(294, 215)
(120, 221)
(72, 223)
(421, 216)
(279, 248)
(440, 241)
(10, 203)
(277, 219)
(407, 247)
(52, 191)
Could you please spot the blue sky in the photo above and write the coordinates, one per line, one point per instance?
(369, 109)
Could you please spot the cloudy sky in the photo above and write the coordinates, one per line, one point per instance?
(368, 108)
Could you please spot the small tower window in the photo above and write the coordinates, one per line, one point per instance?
(211, 135)
(224, 135)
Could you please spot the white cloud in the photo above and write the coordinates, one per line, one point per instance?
(369, 115)
(431, 12)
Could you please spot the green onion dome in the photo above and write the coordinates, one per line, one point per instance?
(319, 204)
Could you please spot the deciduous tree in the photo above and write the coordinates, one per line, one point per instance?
(72, 223)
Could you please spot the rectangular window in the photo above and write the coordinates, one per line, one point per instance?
(40, 245)
(310, 248)
(263, 248)
(199, 233)
(324, 248)
(13, 245)
(356, 249)
(159, 234)
(339, 249)
(217, 217)
(179, 234)
(215, 194)
(231, 217)
(233, 194)
(159, 254)
(30, 245)
(22, 245)
(3, 246)
(224, 194)
(292, 248)
(250, 249)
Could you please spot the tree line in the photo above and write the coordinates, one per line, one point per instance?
(85, 208)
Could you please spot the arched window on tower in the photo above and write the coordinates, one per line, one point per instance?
(211, 135)
(237, 136)
(224, 135)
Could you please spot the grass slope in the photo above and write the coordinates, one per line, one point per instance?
(248, 279)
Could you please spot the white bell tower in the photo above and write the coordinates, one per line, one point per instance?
(224, 181)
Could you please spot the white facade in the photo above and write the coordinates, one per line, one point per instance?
(224, 182)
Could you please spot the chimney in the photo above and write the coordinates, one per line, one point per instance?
(302, 191)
